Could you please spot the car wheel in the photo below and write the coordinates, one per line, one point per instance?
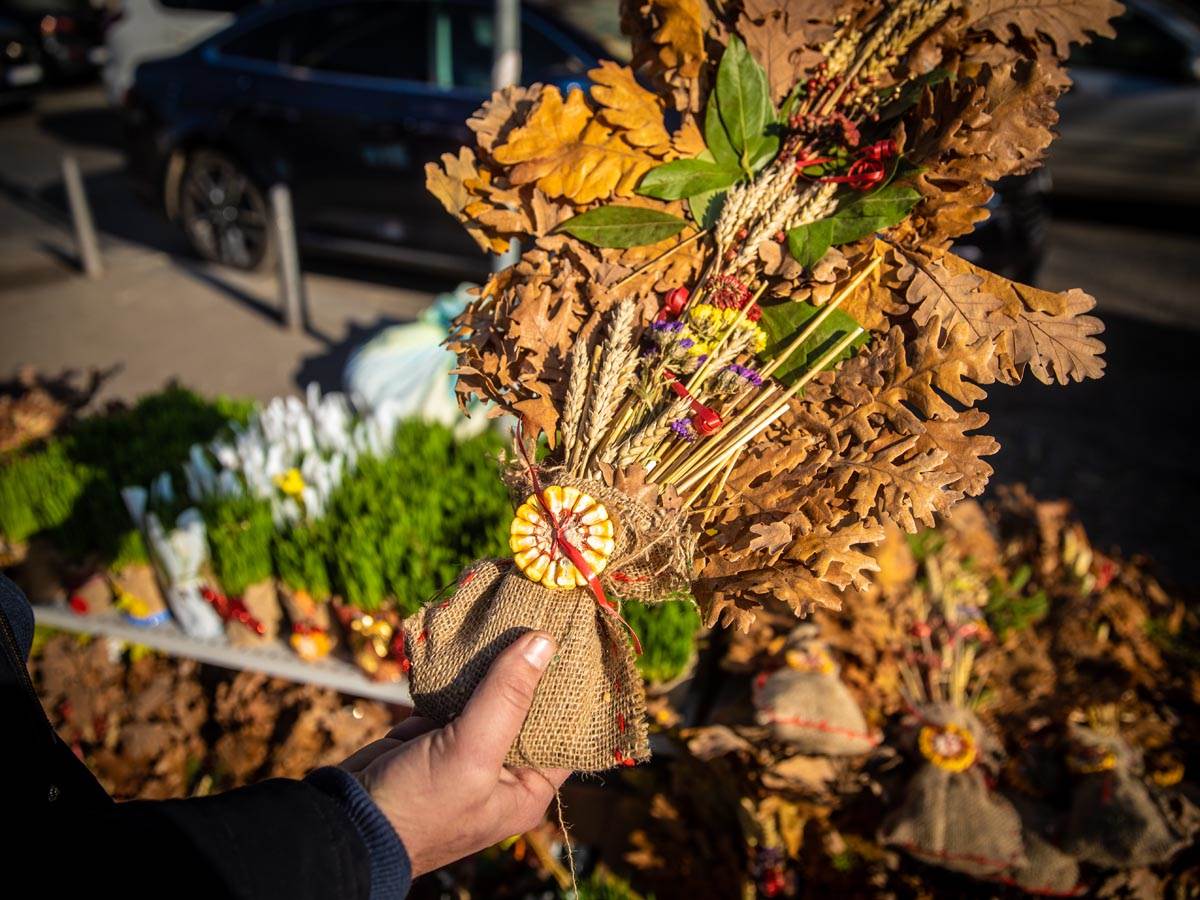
(224, 213)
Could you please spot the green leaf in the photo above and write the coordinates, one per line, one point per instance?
(869, 213)
(622, 226)
(686, 178)
(808, 243)
(765, 149)
(706, 207)
(716, 138)
(743, 99)
(783, 322)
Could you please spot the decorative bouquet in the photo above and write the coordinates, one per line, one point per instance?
(737, 321)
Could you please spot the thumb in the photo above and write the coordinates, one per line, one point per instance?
(493, 716)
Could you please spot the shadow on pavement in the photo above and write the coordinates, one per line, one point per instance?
(1116, 447)
(326, 368)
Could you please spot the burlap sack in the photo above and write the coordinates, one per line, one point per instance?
(1116, 818)
(806, 704)
(589, 711)
(954, 819)
(1048, 871)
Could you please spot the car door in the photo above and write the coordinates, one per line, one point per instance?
(1130, 125)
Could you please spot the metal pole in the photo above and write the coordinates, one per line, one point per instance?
(506, 70)
(293, 304)
(81, 216)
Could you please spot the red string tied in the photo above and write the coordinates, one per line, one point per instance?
(705, 420)
(863, 175)
(571, 552)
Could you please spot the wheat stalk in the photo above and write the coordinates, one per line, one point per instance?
(576, 398)
(612, 373)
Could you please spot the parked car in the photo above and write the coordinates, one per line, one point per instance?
(69, 32)
(343, 101)
(141, 30)
(20, 64)
(1130, 127)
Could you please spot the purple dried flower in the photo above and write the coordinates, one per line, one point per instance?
(668, 327)
(683, 428)
(747, 373)
(684, 343)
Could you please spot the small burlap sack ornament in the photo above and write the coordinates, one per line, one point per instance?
(806, 704)
(1048, 871)
(1116, 818)
(949, 816)
(589, 711)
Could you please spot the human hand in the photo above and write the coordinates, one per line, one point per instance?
(446, 791)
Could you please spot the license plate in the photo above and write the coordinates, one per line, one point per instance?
(21, 76)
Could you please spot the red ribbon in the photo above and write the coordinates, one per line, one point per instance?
(705, 420)
(232, 608)
(571, 552)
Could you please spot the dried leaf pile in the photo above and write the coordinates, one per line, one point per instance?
(154, 727)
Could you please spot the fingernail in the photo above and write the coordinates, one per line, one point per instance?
(539, 651)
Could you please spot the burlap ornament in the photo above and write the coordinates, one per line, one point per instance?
(950, 817)
(806, 704)
(1048, 870)
(589, 711)
(1116, 818)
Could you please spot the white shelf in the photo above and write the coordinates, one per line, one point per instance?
(272, 659)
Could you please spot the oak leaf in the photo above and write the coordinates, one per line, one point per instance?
(680, 35)
(506, 109)
(1046, 332)
(771, 537)
(784, 36)
(569, 153)
(628, 107)
(1061, 22)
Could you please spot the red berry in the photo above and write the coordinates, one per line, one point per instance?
(78, 604)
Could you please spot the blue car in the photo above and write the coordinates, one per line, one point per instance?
(343, 101)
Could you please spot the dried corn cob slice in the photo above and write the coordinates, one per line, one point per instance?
(583, 522)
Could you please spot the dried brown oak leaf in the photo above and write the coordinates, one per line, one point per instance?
(668, 41)
(968, 132)
(491, 215)
(784, 36)
(506, 109)
(1045, 332)
(569, 153)
(1060, 22)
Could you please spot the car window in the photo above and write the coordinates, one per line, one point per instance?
(381, 40)
(471, 43)
(1141, 47)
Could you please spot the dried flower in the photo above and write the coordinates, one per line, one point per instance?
(683, 429)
